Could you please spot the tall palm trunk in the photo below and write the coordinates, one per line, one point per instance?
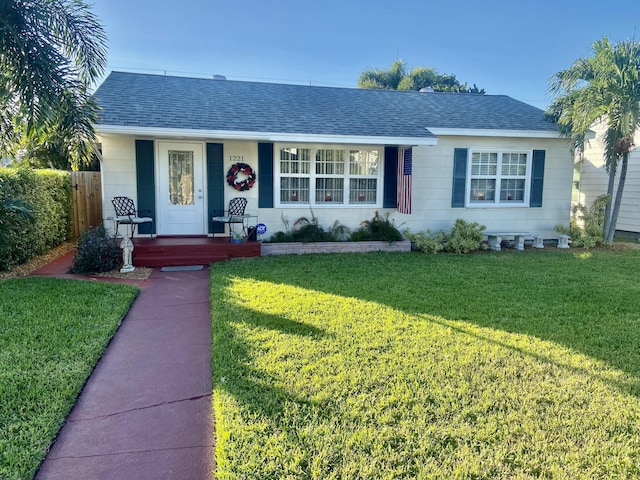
(611, 230)
(608, 206)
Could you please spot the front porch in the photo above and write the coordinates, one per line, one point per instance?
(180, 251)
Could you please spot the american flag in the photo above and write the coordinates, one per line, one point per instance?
(405, 164)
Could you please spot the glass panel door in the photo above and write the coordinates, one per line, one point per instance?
(181, 178)
(181, 197)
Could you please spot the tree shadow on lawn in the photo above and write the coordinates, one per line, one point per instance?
(554, 296)
(253, 388)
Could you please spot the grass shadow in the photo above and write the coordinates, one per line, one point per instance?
(232, 358)
(585, 302)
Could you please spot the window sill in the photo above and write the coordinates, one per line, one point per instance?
(323, 206)
(497, 205)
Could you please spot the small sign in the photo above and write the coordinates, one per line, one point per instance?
(261, 228)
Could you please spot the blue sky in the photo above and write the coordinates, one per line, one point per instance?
(509, 47)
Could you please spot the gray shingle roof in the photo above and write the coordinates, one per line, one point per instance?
(154, 101)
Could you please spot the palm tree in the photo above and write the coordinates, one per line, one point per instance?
(383, 79)
(603, 87)
(51, 51)
(397, 78)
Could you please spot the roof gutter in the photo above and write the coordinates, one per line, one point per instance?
(261, 136)
(481, 132)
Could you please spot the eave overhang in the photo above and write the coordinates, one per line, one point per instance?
(262, 136)
(478, 132)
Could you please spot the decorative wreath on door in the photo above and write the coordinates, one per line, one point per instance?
(241, 177)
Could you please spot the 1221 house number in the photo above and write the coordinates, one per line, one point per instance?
(236, 158)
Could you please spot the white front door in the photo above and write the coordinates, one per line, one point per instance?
(181, 197)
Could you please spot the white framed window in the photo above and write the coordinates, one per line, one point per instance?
(498, 178)
(328, 175)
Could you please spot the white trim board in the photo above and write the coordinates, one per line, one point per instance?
(178, 133)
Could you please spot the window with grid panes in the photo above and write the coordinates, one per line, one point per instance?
(329, 176)
(498, 178)
(295, 175)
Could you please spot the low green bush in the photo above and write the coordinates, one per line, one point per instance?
(586, 227)
(97, 252)
(48, 193)
(426, 241)
(377, 229)
(464, 237)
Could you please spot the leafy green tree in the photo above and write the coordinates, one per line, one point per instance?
(51, 51)
(603, 87)
(397, 78)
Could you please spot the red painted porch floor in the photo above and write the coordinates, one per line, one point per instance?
(146, 410)
(176, 251)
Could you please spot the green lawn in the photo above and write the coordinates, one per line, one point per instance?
(52, 333)
(496, 365)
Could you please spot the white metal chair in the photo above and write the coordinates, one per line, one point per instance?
(126, 214)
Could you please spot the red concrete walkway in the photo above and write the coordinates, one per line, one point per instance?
(145, 412)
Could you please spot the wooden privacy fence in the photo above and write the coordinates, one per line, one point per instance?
(87, 201)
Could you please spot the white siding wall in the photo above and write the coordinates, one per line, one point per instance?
(432, 185)
(118, 172)
(249, 153)
(432, 190)
(594, 179)
(433, 180)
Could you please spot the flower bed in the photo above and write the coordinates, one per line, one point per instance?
(333, 247)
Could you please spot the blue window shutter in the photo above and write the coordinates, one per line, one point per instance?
(265, 171)
(215, 185)
(459, 177)
(145, 183)
(537, 178)
(390, 192)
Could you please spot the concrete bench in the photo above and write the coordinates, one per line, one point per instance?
(563, 241)
(495, 239)
(538, 241)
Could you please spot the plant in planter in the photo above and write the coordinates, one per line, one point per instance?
(378, 234)
(236, 237)
(308, 230)
(378, 228)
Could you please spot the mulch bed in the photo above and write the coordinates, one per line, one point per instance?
(25, 269)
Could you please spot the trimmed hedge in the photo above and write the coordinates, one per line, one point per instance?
(49, 194)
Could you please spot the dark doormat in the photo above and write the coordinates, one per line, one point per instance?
(183, 268)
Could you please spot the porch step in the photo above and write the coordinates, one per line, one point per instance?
(146, 260)
(180, 251)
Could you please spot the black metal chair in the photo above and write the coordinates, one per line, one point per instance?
(126, 214)
(235, 214)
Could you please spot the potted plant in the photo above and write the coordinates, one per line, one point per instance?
(236, 237)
